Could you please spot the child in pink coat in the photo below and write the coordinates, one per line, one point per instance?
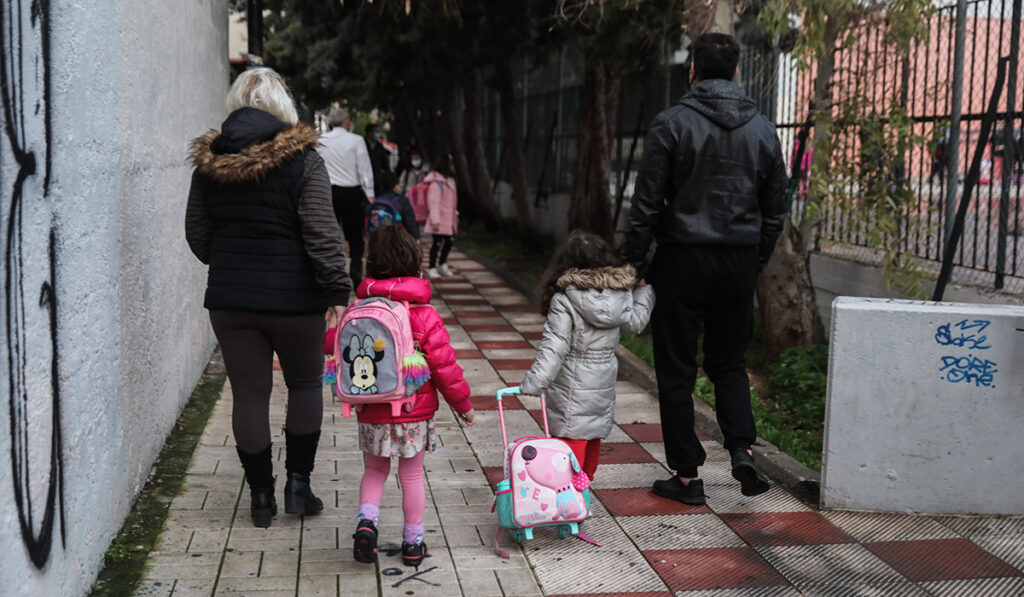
(442, 214)
(392, 269)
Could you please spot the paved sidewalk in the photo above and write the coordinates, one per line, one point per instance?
(770, 545)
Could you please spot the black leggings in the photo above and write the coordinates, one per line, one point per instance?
(249, 340)
(444, 243)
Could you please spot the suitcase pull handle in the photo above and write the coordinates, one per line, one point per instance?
(501, 413)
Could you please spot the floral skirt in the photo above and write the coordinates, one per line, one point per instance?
(404, 440)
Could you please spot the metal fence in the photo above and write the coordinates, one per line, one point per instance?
(991, 250)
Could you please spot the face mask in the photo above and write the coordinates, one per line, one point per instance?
(417, 163)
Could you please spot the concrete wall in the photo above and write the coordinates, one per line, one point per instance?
(834, 277)
(925, 405)
(103, 330)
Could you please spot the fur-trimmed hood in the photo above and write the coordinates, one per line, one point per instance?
(614, 278)
(603, 296)
(252, 144)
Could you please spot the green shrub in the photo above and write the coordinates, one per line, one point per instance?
(798, 383)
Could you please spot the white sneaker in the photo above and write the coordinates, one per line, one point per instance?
(445, 271)
(432, 273)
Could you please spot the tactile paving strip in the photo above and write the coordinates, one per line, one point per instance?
(941, 559)
(727, 498)
(753, 592)
(864, 526)
(834, 566)
(602, 572)
(785, 528)
(641, 501)
(976, 587)
(671, 532)
(714, 568)
(628, 475)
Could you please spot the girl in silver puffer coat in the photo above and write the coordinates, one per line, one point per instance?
(588, 300)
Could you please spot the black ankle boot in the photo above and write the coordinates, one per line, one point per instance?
(259, 473)
(300, 454)
(299, 498)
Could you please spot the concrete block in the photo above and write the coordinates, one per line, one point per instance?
(924, 410)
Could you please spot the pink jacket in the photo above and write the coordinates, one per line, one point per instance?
(431, 337)
(442, 200)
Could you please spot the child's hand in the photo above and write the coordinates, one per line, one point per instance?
(469, 417)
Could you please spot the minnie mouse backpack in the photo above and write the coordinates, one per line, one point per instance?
(544, 485)
(375, 359)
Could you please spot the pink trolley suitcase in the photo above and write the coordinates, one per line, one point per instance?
(544, 485)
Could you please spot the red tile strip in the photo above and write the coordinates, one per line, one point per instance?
(713, 568)
(941, 559)
(785, 528)
(502, 344)
(643, 432)
(491, 403)
(624, 453)
(641, 501)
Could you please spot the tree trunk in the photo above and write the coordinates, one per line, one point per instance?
(451, 114)
(475, 153)
(786, 297)
(785, 292)
(514, 153)
(590, 204)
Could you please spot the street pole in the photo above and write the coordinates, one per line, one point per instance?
(953, 184)
(254, 18)
(1010, 145)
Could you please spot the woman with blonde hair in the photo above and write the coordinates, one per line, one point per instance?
(260, 215)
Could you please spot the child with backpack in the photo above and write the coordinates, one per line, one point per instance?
(391, 207)
(442, 214)
(588, 298)
(393, 272)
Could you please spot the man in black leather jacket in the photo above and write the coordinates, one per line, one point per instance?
(711, 191)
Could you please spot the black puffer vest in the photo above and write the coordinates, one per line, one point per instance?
(254, 170)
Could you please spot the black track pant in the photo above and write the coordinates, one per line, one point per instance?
(442, 243)
(350, 209)
(713, 285)
(248, 341)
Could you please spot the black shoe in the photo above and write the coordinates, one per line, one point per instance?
(264, 505)
(752, 482)
(299, 498)
(413, 553)
(673, 489)
(300, 453)
(259, 470)
(364, 549)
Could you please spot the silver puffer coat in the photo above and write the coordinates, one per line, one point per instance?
(575, 364)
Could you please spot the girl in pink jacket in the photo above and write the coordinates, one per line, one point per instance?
(393, 272)
(442, 214)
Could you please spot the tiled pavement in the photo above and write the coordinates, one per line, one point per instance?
(770, 545)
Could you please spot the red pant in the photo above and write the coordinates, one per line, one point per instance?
(587, 451)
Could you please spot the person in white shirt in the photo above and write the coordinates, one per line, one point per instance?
(348, 166)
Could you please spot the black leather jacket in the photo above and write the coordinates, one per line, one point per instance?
(712, 174)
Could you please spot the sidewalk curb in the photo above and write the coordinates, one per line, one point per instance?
(804, 482)
(783, 468)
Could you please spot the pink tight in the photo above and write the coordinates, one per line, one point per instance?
(410, 475)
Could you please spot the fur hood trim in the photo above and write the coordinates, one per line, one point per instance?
(614, 278)
(255, 161)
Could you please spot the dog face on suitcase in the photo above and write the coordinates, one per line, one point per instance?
(547, 482)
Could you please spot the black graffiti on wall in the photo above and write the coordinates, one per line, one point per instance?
(30, 272)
